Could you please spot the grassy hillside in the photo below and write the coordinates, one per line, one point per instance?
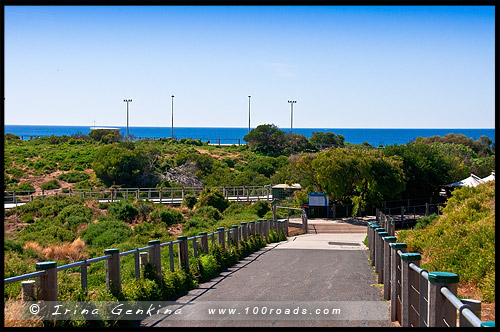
(462, 240)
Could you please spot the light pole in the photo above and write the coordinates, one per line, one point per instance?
(249, 114)
(173, 116)
(291, 115)
(127, 101)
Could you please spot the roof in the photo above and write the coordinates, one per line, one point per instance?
(472, 181)
(285, 186)
(490, 177)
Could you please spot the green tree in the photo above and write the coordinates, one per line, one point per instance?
(359, 175)
(267, 139)
(295, 143)
(105, 135)
(328, 139)
(212, 197)
(117, 165)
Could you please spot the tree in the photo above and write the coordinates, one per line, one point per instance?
(267, 139)
(361, 176)
(328, 139)
(117, 165)
(295, 143)
(105, 135)
(212, 197)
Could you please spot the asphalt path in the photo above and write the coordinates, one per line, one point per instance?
(310, 280)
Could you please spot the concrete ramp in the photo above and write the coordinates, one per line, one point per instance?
(318, 226)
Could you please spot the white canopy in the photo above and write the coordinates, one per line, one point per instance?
(490, 177)
(472, 181)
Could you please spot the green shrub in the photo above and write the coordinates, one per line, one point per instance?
(425, 221)
(106, 233)
(212, 197)
(234, 208)
(167, 216)
(143, 208)
(208, 213)
(123, 210)
(74, 176)
(73, 222)
(49, 185)
(103, 206)
(260, 208)
(45, 232)
(189, 201)
(74, 211)
(27, 218)
(25, 186)
(11, 245)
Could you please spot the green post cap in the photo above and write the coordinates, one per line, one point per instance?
(202, 233)
(154, 242)
(111, 251)
(182, 238)
(381, 234)
(220, 228)
(443, 277)
(45, 265)
(251, 222)
(389, 238)
(379, 229)
(261, 219)
(374, 225)
(234, 226)
(410, 257)
(398, 245)
(243, 223)
(490, 323)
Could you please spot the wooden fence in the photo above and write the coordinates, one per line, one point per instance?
(44, 287)
(173, 195)
(419, 298)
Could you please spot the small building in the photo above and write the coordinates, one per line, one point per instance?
(282, 191)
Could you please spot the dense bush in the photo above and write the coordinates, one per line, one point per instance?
(189, 201)
(74, 176)
(106, 233)
(51, 184)
(167, 216)
(208, 213)
(74, 211)
(123, 210)
(212, 197)
(261, 208)
(425, 221)
(45, 232)
(462, 239)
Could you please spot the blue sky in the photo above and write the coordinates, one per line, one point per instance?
(347, 67)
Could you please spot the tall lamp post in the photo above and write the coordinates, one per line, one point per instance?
(127, 101)
(173, 116)
(249, 114)
(291, 115)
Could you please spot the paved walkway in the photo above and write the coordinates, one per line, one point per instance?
(310, 280)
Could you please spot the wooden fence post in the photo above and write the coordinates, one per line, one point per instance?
(28, 290)
(409, 280)
(303, 216)
(47, 284)
(387, 265)
(274, 212)
(183, 253)
(380, 256)
(440, 309)
(235, 235)
(155, 256)
(376, 248)
(113, 281)
(252, 227)
(143, 258)
(220, 236)
(83, 274)
(244, 231)
(396, 280)
(204, 241)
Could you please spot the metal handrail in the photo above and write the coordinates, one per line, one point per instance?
(24, 277)
(461, 307)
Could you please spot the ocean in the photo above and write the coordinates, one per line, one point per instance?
(375, 137)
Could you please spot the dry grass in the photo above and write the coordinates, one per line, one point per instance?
(70, 251)
(13, 310)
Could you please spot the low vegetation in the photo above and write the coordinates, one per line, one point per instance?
(462, 239)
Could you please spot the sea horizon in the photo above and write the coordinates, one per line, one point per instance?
(234, 135)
